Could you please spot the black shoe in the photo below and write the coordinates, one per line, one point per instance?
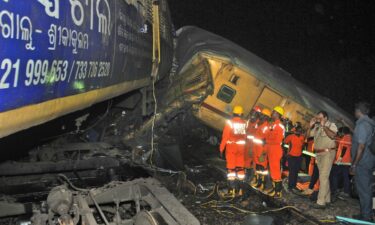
(317, 206)
(343, 196)
(295, 191)
(334, 198)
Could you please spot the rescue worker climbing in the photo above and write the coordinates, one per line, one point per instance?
(259, 153)
(233, 142)
(252, 126)
(274, 138)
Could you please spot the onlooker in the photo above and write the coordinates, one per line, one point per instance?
(341, 166)
(363, 159)
(295, 142)
(324, 132)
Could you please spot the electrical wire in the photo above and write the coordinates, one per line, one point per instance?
(153, 120)
(221, 206)
(66, 179)
(210, 194)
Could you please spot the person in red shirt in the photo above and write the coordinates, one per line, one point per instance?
(259, 153)
(274, 138)
(233, 142)
(295, 142)
(342, 163)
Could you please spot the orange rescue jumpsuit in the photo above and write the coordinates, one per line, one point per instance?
(259, 149)
(274, 138)
(249, 154)
(344, 142)
(234, 141)
(310, 148)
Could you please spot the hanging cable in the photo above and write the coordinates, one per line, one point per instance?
(153, 120)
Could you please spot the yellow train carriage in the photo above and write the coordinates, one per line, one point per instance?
(241, 78)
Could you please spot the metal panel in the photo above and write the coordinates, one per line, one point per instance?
(193, 40)
(269, 99)
(55, 48)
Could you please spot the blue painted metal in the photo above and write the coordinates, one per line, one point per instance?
(56, 48)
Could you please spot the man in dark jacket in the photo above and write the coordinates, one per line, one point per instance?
(363, 160)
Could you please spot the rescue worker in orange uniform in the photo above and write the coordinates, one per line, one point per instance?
(274, 138)
(342, 163)
(250, 130)
(313, 170)
(295, 143)
(259, 153)
(233, 142)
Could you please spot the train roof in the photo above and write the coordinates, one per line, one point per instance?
(192, 40)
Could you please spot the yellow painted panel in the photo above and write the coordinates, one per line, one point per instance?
(269, 99)
(297, 113)
(248, 88)
(32, 115)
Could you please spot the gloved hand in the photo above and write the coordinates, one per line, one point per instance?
(264, 142)
(222, 154)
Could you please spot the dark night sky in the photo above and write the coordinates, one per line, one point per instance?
(328, 45)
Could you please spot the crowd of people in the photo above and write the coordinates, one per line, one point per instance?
(267, 146)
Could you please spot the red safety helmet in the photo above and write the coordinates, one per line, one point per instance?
(257, 109)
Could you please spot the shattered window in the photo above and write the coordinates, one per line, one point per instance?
(234, 79)
(226, 94)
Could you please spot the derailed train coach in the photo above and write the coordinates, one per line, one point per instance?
(60, 56)
(241, 78)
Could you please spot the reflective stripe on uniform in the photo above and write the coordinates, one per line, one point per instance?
(286, 146)
(241, 176)
(258, 141)
(343, 164)
(250, 137)
(260, 172)
(280, 125)
(264, 129)
(242, 142)
(231, 176)
(308, 153)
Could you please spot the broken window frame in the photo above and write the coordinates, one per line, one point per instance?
(234, 79)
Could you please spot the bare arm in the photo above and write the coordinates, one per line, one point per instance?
(310, 132)
(331, 134)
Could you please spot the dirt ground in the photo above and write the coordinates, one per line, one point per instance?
(204, 170)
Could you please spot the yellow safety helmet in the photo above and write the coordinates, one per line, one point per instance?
(279, 110)
(238, 110)
(266, 112)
